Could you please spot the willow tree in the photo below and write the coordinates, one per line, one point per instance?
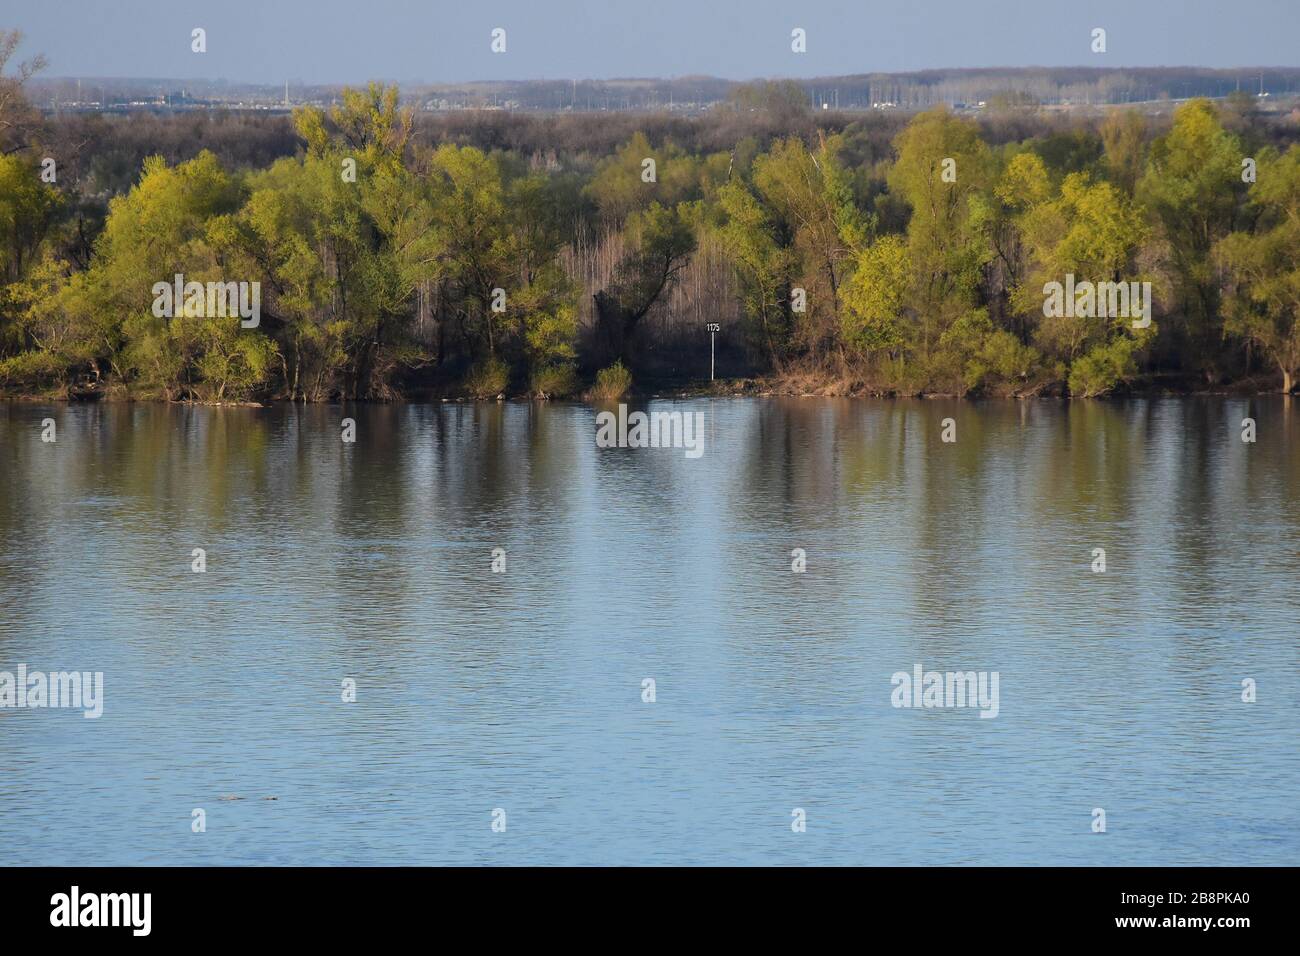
(1194, 191)
(942, 167)
(162, 227)
(638, 174)
(1092, 231)
(28, 212)
(342, 236)
(303, 232)
(543, 315)
(807, 194)
(1262, 270)
(472, 218)
(763, 263)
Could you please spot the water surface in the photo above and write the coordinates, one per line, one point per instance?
(523, 690)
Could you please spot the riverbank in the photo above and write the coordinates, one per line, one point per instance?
(794, 383)
(813, 386)
(747, 387)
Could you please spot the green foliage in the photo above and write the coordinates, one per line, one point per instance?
(923, 262)
(661, 240)
(231, 363)
(28, 208)
(301, 229)
(946, 244)
(367, 125)
(1025, 183)
(807, 204)
(1262, 270)
(164, 226)
(620, 189)
(763, 266)
(550, 328)
(1194, 192)
(554, 381)
(876, 297)
(1073, 151)
(488, 378)
(611, 383)
(993, 360)
(1103, 368)
(1093, 231)
(32, 369)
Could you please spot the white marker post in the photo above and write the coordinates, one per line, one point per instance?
(713, 328)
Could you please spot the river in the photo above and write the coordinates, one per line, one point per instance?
(772, 736)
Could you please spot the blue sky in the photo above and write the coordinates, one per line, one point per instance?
(321, 41)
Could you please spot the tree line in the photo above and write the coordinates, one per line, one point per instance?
(887, 255)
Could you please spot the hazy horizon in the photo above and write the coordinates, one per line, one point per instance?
(1248, 69)
(325, 42)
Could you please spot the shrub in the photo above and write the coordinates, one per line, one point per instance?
(554, 381)
(993, 360)
(611, 383)
(488, 378)
(31, 369)
(1102, 368)
(939, 373)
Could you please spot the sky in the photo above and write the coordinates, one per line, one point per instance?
(435, 41)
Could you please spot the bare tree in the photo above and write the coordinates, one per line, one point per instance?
(18, 121)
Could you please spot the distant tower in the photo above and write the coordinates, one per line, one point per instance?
(286, 94)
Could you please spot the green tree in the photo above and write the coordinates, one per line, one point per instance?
(763, 265)
(300, 231)
(344, 237)
(29, 210)
(619, 187)
(473, 222)
(1024, 184)
(544, 304)
(878, 297)
(1194, 191)
(160, 229)
(1092, 231)
(1262, 270)
(942, 168)
(811, 203)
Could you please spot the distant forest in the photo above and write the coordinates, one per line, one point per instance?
(911, 91)
(412, 254)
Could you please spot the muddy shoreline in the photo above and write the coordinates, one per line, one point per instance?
(746, 387)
